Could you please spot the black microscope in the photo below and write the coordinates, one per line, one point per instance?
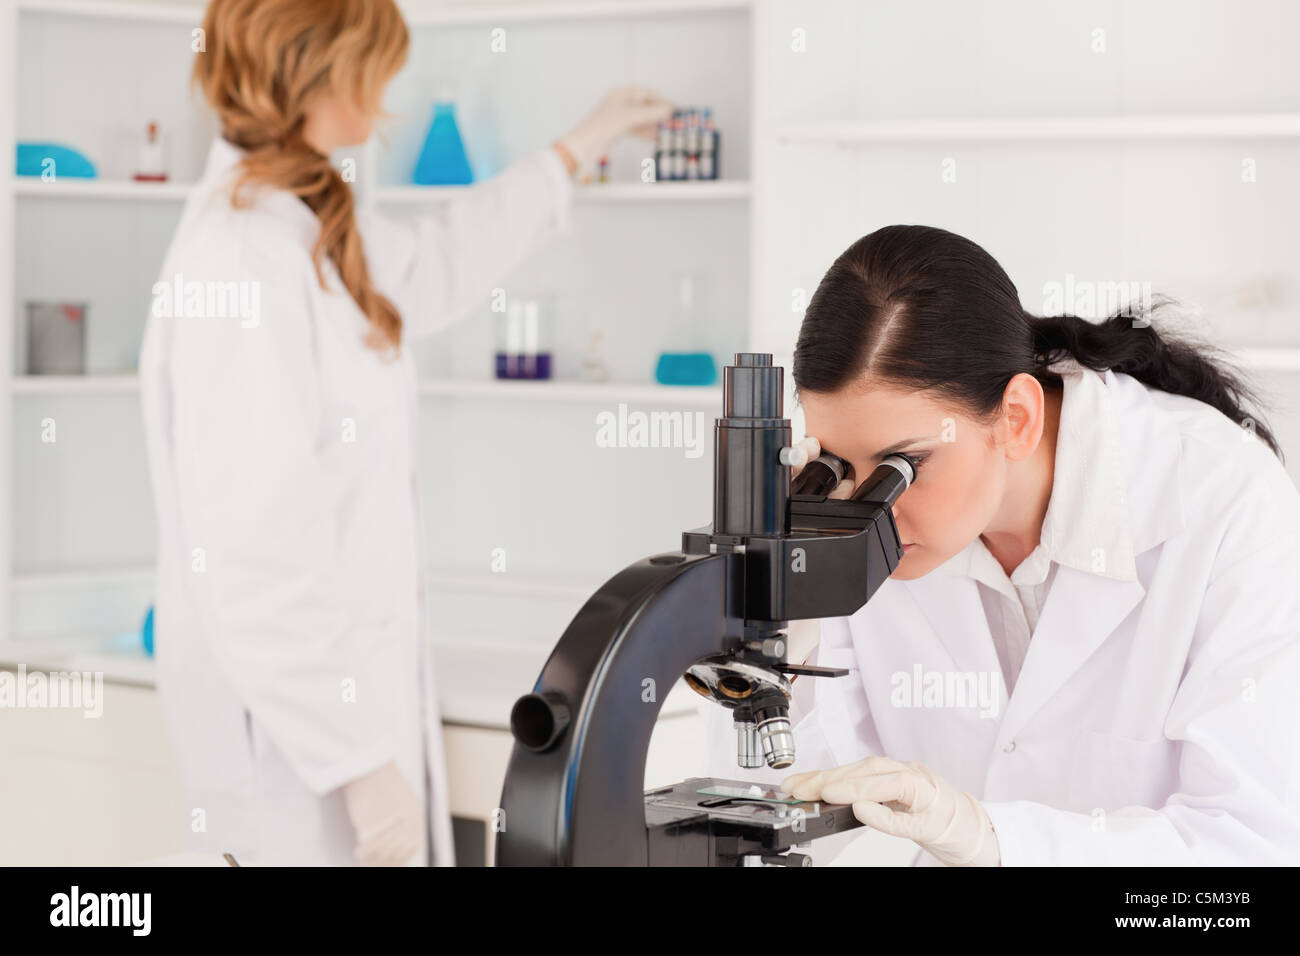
(713, 613)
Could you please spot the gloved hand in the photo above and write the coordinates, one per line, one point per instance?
(387, 815)
(907, 800)
(624, 109)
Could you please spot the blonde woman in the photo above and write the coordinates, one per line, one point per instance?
(292, 638)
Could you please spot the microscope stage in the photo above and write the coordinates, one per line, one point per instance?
(741, 808)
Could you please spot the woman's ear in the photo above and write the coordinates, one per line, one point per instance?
(1024, 415)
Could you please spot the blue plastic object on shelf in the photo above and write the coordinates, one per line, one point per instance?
(146, 632)
(443, 161)
(68, 163)
(686, 368)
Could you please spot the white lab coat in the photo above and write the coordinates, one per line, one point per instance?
(292, 645)
(1154, 721)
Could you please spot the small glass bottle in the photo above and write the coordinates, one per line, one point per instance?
(523, 349)
(594, 368)
(708, 148)
(152, 165)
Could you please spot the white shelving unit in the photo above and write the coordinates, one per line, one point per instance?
(1279, 359)
(56, 574)
(75, 384)
(153, 12)
(471, 12)
(532, 391)
(418, 14)
(819, 149)
(720, 191)
(1047, 129)
(127, 190)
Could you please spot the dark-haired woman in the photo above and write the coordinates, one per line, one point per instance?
(1090, 649)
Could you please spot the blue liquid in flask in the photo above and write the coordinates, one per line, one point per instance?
(443, 161)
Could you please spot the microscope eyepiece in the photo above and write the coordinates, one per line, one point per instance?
(821, 475)
(904, 464)
(890, 479)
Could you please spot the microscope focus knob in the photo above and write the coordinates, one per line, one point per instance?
(539, 720)
(793, 455)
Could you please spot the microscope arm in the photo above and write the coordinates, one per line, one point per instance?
(589, 718)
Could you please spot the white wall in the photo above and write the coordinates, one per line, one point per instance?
(1175, 214)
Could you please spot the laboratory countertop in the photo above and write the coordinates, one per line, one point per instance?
(478, 682)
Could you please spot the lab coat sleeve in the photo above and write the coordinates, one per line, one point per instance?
(260, 512)
(1235, 713)
(439, 266)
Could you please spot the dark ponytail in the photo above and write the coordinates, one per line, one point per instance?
(1128, 342)
(926, 309)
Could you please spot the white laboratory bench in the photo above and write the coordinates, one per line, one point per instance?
(103, 791)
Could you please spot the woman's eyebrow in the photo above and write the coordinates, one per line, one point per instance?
(898, 446)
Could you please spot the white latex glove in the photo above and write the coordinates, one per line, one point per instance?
(812, 448)
(387, 815)
(624, 109)
(907, 800)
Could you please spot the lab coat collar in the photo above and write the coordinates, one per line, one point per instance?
(1115, 489)
(1087, 525)
(224, 156)
(1121, 431)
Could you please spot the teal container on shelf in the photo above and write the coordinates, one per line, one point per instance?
(66, 162)
(686, 368)
(146, 632)
(443, 161)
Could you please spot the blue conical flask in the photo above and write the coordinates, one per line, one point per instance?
(443, 161)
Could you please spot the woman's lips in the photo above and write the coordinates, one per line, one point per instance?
(909, 547)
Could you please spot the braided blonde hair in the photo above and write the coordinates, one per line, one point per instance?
(265, 62)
